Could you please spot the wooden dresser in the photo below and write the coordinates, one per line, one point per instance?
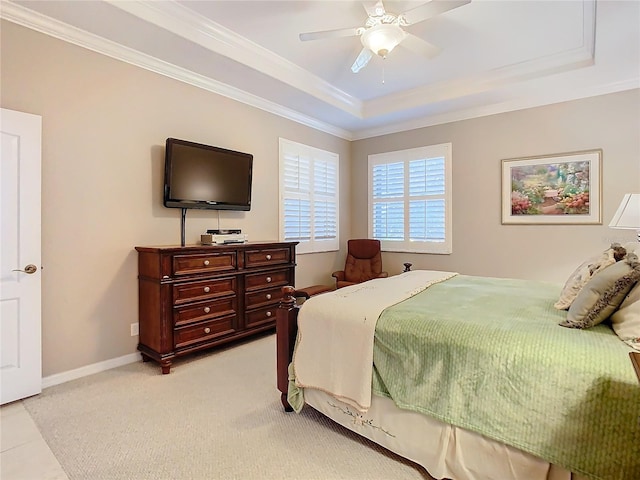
(195, 297)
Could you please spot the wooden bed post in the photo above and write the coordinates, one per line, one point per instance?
(286, 331)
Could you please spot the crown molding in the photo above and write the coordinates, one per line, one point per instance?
(203, 31)
(35, 21)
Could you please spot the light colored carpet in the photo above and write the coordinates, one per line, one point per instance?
(215, 416)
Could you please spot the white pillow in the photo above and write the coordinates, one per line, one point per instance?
(632, 247)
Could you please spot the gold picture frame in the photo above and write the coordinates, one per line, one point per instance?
(557, 189)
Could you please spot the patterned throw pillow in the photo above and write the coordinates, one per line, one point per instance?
(602, 295)
(626, 319)
(584, 272)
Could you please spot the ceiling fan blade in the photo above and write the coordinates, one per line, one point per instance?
(362, 60)
(374, 9)
(419, 46)
(431, 9)
(341, 32)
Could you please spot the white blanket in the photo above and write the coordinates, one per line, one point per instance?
(334, 352)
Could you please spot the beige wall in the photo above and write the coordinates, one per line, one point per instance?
(481, 244)
(104, 126)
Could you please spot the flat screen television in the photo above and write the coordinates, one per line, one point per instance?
(206, 177)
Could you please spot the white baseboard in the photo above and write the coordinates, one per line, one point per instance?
(63, 377)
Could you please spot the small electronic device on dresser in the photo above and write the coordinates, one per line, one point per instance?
(223, 237)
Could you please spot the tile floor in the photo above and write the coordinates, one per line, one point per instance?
(25, 455)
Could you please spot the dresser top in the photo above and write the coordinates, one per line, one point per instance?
(199, 247)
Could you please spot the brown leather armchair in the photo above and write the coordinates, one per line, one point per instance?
(364, 262)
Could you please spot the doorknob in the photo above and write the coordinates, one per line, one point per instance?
(31, 268)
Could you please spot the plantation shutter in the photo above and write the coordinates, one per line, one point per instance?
(326, 207)
(297, 198)
(388, 201)
(410, 199)
(309, 197)
(426, 199)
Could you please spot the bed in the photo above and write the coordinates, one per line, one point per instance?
(470, 377)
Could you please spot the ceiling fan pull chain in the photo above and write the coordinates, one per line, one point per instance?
(383, 71)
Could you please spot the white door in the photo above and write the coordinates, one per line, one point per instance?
(20, 312)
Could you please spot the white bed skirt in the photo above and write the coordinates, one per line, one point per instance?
(445, 451)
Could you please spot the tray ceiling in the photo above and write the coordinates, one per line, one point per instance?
(496, 55)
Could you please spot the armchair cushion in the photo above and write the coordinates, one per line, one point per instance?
(364, 262)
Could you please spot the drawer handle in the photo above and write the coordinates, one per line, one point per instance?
(268, 296)
(207, 309)
(268, 279)
(268, 257)
(207, 330)
(268, 314)
(206, 262)
(207, 289)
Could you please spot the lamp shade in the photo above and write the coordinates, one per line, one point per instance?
(628, 213)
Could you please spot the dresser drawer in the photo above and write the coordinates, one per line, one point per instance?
(202, 332)
(203, 289)
(200, 311)
(266, 256)
(263, 297)
(274, 278)
(204, 263)
(261, 316)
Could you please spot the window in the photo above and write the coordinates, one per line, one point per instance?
(309, 197)
(410, 199)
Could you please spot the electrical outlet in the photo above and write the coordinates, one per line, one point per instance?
(135, 329)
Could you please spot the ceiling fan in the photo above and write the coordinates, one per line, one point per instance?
(383, 31)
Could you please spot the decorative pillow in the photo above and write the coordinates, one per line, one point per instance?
(626, 319)
(584, 272)
(602, 295)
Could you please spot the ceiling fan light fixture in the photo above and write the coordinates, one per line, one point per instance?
(382, 39)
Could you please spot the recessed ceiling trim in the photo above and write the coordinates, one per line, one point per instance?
(578, 57)
(520, 103)
(36, 21)
(201, 30)
(491, 80)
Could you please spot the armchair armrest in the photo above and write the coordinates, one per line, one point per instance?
(301, 294)
(308, 292)
(339, 275)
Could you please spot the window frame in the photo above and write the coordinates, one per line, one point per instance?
(444, 150)
(313, 245)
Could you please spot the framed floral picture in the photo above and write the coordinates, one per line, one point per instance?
(563, 188)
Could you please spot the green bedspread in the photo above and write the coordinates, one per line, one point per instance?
(487, 354)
